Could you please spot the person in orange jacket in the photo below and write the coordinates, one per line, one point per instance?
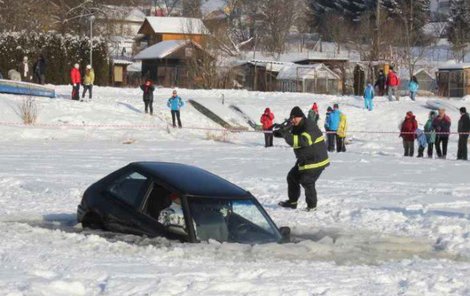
(75, 79)
(267, 122)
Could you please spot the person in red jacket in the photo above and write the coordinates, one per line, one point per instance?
(408, 130)
(267, 122)
(393, 81)
(75, 79)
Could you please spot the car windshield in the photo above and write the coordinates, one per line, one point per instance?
(225, 220)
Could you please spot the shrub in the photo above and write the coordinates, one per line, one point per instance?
(27, 110)
(222, 136)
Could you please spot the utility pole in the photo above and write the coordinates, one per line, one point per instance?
(375, 54)
(92, 18)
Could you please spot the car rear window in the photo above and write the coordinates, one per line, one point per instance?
(129, 188)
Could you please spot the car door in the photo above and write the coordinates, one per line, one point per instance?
(125, 195)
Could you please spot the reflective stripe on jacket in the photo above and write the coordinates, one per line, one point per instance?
(309, 145)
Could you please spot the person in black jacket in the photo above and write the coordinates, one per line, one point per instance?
(148, 90)
(40, 69)
(464, 129)
(312, 158)
(380, 83)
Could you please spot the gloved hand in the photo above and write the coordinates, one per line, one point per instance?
(281, 133)
(278, 134)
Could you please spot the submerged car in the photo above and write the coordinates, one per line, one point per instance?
(176, 201)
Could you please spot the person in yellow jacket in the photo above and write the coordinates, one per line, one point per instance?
(341, 133)
(88, 81)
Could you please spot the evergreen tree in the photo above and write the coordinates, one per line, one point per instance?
(458, 31)
(417, 12)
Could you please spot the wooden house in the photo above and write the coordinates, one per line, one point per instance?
(453, 80)
(167, 62)
(158, 29)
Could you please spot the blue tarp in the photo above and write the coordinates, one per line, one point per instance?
(25, 88)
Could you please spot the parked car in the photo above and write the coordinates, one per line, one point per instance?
(176, 201)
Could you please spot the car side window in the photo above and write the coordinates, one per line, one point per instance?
(129, 188)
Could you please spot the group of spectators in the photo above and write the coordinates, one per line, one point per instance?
(435, 134)
(87, 82)
(29, 73)
(174, 103)
(335, 126)
(388, 84)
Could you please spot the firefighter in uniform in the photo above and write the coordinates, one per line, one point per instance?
(312, 158)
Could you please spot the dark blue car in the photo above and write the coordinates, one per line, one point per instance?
(176, 201)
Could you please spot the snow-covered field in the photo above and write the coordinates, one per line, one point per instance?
(386, 225)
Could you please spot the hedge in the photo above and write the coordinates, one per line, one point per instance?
(61, 53)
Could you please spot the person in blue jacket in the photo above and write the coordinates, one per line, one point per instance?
(175, 103)
(413, 87)
(331, 126)
(368, 96)
(422, 141)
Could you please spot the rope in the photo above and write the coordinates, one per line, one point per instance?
(157, 126)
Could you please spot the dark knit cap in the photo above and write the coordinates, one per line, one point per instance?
(463, 110)
(296, 112)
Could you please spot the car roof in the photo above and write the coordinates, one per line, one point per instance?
(191, 180)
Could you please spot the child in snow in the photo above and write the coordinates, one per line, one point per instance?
(413, 87)
(422, 141)
(313, 114)
(368, 96)
(408, 129)
(148, 90)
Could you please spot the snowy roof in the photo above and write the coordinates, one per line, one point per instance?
(423, 71)
(436, 29)
(162, 49)
(273, 66)
(135, 67)
(121, 61)
(459, 66)
(303, 72)
(299, 56)
(212, 5)
(177, 25)
(127, 13)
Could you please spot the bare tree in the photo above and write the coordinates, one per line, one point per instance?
(411, 40)
(192, 8)
(276, 21)
(168, 5)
